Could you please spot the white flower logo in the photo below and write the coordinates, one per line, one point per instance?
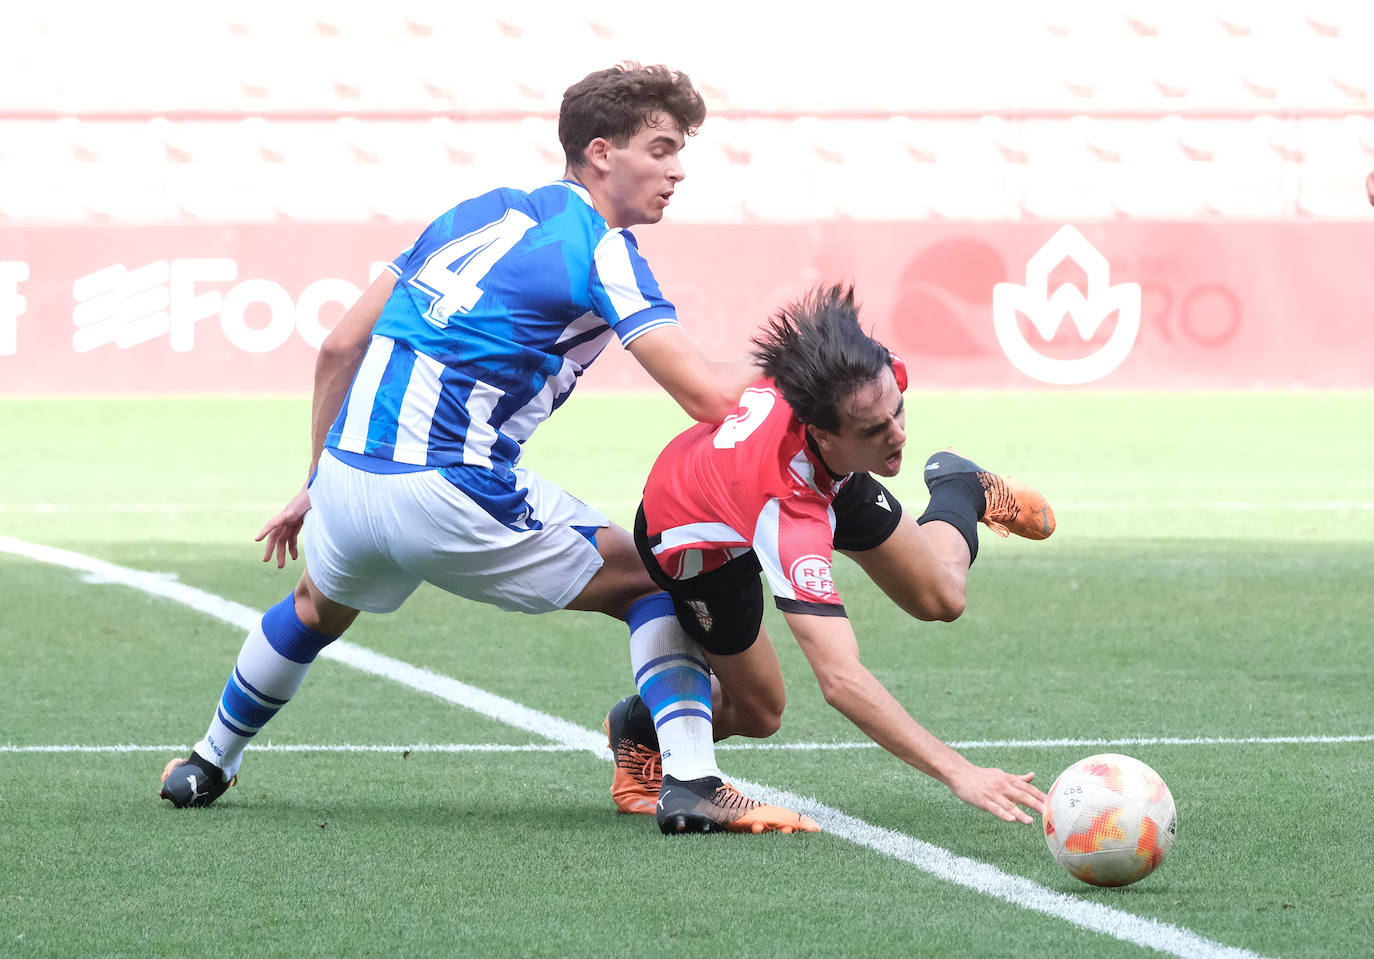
(1046, 312)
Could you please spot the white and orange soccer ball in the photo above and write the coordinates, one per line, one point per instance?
(1110, 820)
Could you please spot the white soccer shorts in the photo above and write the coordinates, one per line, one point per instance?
(372, 538)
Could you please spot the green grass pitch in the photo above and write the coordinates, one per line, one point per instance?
(1208, 596)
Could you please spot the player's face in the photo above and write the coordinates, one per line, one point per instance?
(643, 174)
(872, 431)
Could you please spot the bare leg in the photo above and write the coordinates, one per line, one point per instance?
(747, 691)
(620, 582)
(922, 568)
(318, 612)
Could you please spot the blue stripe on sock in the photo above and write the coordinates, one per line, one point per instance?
(249, 687)
(243, 708)
(699, 664)
(653, 606)
(231, 727)
(679, 713)
(681, 683)
(289, 636)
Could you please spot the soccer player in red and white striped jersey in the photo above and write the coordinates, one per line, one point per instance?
(776, 489)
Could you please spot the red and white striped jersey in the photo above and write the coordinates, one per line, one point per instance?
(755, 482)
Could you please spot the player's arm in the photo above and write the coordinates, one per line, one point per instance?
(833, 652)
(708, 390)
(340, 355)
(339, 358)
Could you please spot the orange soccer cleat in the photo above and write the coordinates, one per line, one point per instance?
(638, 764)
(1014, 507)
(1011, 506)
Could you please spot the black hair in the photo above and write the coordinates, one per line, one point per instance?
(614, 103)
(816, 353)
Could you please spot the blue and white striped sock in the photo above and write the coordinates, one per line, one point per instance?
(271, 666)
(675, 683)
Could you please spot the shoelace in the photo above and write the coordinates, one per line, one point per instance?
(640, 761)
(728, 797)
(1002, 507)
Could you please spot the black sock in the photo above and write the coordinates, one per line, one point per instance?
(958, 500)
(204, 765)
(639, 723)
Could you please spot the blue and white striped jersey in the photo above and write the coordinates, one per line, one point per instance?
(498, 308)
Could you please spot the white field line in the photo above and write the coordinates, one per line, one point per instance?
(735, 747)
(969, 873)
(1216, 506)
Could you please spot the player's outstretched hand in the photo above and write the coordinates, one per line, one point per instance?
(1000, 793)
(1369, 186)
(281, 530)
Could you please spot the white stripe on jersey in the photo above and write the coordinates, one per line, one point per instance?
(691, 562)
(353, 438)
(520, 426)
(662, 321)
(584, 353)
(481, 436)
(766, 548)
(804, 470)
(703, 533)
(417, 411)
(584, 323)
(618, 275)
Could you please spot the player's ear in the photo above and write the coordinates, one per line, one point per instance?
(597, 153)
(824, 439)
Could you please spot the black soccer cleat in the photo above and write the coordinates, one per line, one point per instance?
(192, 782)
(710, 805)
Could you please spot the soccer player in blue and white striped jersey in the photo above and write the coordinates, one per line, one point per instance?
(431, 383)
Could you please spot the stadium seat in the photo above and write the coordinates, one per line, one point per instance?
(1072, 170)
(38, 174)
(1159, 173)
(1336, 157)
(976, 171)
(1249, 176)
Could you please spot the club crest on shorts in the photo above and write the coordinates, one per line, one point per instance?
(703, 613)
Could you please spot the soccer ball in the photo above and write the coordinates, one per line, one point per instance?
(1109, 820)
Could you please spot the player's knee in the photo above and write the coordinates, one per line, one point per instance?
(758, 725)
(943, 603)
(759, 718)
(950, 605)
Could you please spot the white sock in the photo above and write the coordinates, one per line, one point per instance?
(675, 683)
(270, 668)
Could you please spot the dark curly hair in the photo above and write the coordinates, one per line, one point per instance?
(816, 353)
(614, 103)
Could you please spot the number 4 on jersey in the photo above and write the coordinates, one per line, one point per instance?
(451, 273)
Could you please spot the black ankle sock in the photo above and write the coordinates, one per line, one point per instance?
(639, 723)
(205, 766)
(958, 500)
